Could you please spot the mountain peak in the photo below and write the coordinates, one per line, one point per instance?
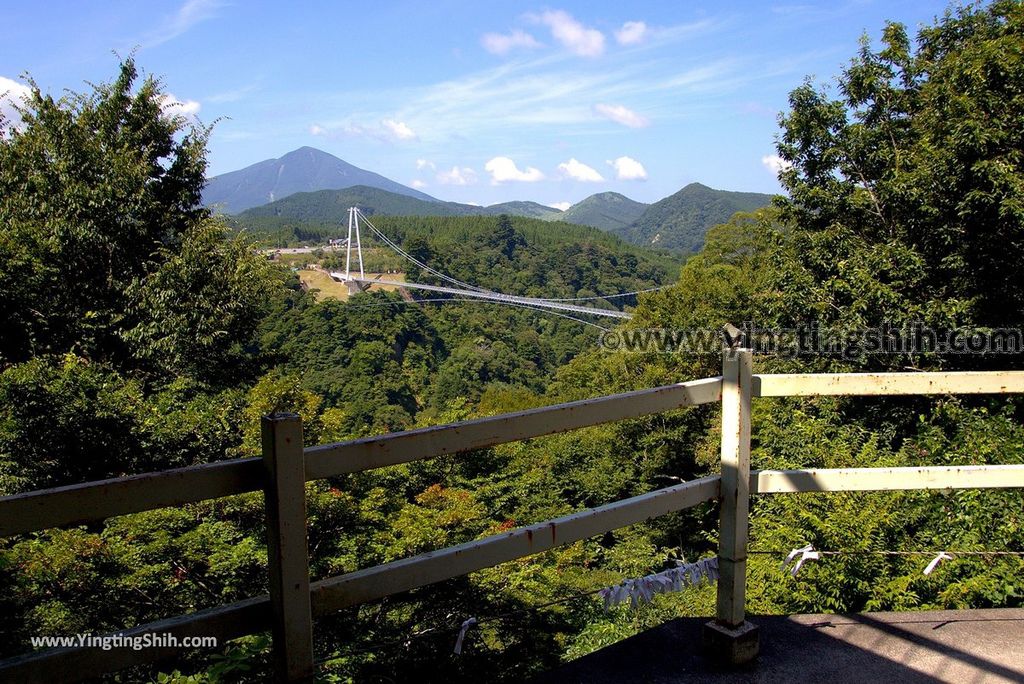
(605, 210)
(681, 220)
(306, 169)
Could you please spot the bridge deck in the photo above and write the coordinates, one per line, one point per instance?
(492, 296)
(933, 646)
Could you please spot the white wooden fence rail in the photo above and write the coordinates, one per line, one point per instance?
(293, 602)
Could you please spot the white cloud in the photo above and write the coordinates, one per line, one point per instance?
(580, 171)
(631, 33)
(398, 130)
(627, 168)
(11, 93)
(503, 43)
(389, 130)
(622, 115)
(503, 169)
(561, 206)
(583, 41)
(425, 164)
(775, 163)
(418, 184)
(457, 176)
(528, 97)
(172, 106)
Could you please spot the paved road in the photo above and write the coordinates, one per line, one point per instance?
(935, 646)
(299, 250)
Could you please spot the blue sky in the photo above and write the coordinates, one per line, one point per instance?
(478, 102)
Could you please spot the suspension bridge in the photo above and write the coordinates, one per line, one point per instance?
(357, 281)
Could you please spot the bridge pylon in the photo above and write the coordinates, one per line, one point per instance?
(353, 222)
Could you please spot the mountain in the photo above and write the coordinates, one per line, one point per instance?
(605, 210)
(331, 206)
(306, 169)
(680, 221)
(529, 209)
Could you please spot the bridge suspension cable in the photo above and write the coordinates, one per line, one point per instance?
(460, 288)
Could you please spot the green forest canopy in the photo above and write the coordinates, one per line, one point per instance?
(137, 334)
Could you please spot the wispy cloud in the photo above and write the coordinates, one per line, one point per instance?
(579, 171)
(627, 168)
(388, 130)
(503, 43)
(232, 95)
(192, 12)
(425, 164)
(561, 206)
(622, 115)
(631, 33)
(418, 184)
(503, 170)
(581, 40)
(508, 102)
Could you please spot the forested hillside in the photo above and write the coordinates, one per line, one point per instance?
(137, 333)
(322, 212)
(677, 223)
(605, 210)
(680, 221)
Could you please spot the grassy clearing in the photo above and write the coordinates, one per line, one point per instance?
(319, 280)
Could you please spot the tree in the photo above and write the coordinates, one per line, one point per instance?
(919, 161)
(92, 186)
(505, 239)
(106, 250)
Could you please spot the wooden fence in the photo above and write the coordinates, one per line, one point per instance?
(294, 601)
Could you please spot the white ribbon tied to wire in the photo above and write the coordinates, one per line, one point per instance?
(800, 555)
(462, 634)
(643, 589)
(935, 562)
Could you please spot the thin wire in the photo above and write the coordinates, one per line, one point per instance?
(440, 631)
(895, 553)
(482, 301)
(389, 242)
(555, 313)
(431, 632)
(413, 259)
(611, 296)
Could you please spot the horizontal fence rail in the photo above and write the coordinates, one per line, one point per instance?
(887, 384)
(887, 479)
(435, 566)
(94, 501)
(414, 445)
(73, 664)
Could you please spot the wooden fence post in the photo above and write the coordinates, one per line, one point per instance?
(287, 547)
(730, 638)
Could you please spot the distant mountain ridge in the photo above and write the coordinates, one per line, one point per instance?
(605, 210)
(331, 206)
(306, 169)
(680, 221)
